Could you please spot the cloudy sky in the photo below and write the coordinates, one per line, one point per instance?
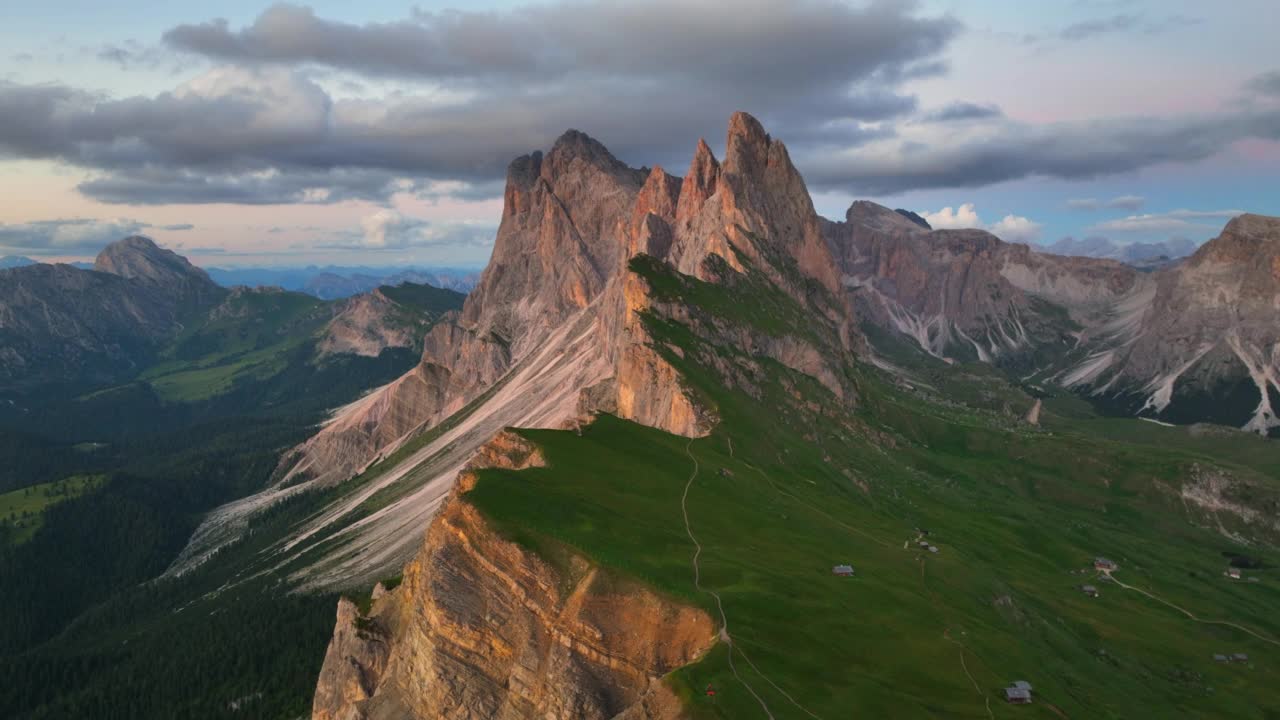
(378, 133)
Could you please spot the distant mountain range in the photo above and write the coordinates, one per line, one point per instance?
(141, 304)
(13, 261)
(330, 282)
(1137, 254)
(333, 282)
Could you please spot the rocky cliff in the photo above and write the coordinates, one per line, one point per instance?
(571, 221)
(1192, 341)
(965, 294)
(1202, 341)
(481, 628)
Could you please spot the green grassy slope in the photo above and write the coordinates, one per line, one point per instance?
(248, 338)
(792, 482)
(23, 510)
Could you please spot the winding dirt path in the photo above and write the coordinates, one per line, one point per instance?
(1184, 611)
(946, 635)
(697, 582)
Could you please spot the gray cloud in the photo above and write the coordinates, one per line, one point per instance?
(768, 45)
(132, 53)
(1266, 84)
(264, 131)
(72, 236)
(1008, 150)
(477, 89)
(163, 186)
(1176, 221)
(1126, 202)
(1123, 23)
(69, 236)
(963, 111)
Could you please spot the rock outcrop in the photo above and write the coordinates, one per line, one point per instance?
(571, 221)
(482, 628)
(353, 664)
(557, 249)
(371, 322)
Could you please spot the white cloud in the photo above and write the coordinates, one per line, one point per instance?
(1011, 228)
(957, 219)
(389, 229)
(1170, 222)
(1018, 229)
(1127, 202)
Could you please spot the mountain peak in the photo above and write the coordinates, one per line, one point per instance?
(747, 146)
(746, 126)
(139, 259)
(1247, 238)
(879, 217)
(1263, 227)
(577, 145)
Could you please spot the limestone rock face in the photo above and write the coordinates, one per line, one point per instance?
(366, 325)
(756, 201)
(1211, 322)
(570, 221)
(353, 664)
(480, 628)
(387, 317)
(1192, 341)
(965, 293)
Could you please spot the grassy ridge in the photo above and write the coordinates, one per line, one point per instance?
(1016, 512)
